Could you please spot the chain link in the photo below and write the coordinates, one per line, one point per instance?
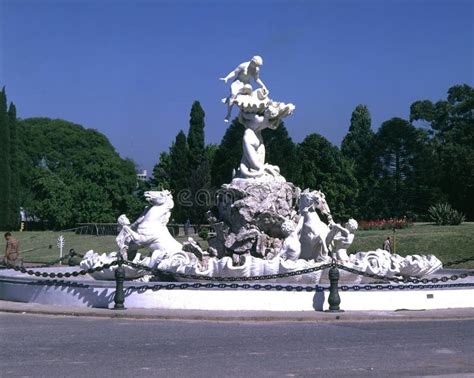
(211, 285)
(156, 271)
(453, 277)
(61, 275)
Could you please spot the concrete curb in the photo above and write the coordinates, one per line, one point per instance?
(236, 316)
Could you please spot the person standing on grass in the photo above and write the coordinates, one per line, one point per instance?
(12, 251)
(387, 245)
(187, 226)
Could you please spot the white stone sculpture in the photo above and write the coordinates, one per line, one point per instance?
(378, 262)
(256, 112)
(150, 229)
(386, 264)
(341, 239)
(291, 248)
(243, 74)
(253, 163)
(314, 230)
(263, 224)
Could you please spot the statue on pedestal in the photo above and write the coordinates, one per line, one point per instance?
(256, 112)
(262, 224)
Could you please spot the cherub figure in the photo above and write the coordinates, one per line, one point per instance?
(241, 84)
(291, 248)
(342, 238)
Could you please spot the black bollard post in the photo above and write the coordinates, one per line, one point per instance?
(334, 300)
(72, 253)
(119, 297)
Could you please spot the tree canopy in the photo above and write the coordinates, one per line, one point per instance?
(451, 124)
(70, 174)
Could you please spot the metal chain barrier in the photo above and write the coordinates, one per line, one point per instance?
(211, 285)
(369, 287)
(61, 275)
(156, 271)
(453, 277)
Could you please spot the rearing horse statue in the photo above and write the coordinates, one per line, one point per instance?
(150, 229)
(314, 231)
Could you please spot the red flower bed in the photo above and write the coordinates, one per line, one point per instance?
(385, 224)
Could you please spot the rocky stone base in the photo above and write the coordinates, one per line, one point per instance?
(249, 215)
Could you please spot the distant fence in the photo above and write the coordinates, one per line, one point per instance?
(100, 229)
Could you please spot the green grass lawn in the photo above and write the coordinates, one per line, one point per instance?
(41, 246)
(448, 243)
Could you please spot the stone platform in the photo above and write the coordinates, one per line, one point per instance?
(84, 291)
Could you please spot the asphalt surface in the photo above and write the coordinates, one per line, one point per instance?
(59, 346)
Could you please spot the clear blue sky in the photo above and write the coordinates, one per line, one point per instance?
(131, 69)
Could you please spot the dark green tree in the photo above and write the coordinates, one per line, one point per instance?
(86, 169)
(199, 179)
(397, 144)
(324, 167)
(5, 172)
(281, 151)
(199, 185)
(161, 172)
(14, 169)
(210, 153)
(196, 141)
(92, 202)
(357, 146)
(179, 177)
(359, 138)
(451, 124)
(228, 155)
(53, 201)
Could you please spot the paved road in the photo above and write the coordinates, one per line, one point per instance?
(40, 346)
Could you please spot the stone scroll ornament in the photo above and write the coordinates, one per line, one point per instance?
(262, 224)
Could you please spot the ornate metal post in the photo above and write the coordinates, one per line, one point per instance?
(334, 300)
(119, 297)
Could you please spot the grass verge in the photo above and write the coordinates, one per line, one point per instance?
(448, 243)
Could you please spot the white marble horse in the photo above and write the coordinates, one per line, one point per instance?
(150, 230)
(314, 231)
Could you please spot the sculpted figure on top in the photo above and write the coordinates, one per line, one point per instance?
(256, 112)
(241, 84)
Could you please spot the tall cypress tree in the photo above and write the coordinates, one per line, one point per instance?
(195, 140)
(14, 169)
(199, 165)
(179, 172)
(360, 135)
(4, 163)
